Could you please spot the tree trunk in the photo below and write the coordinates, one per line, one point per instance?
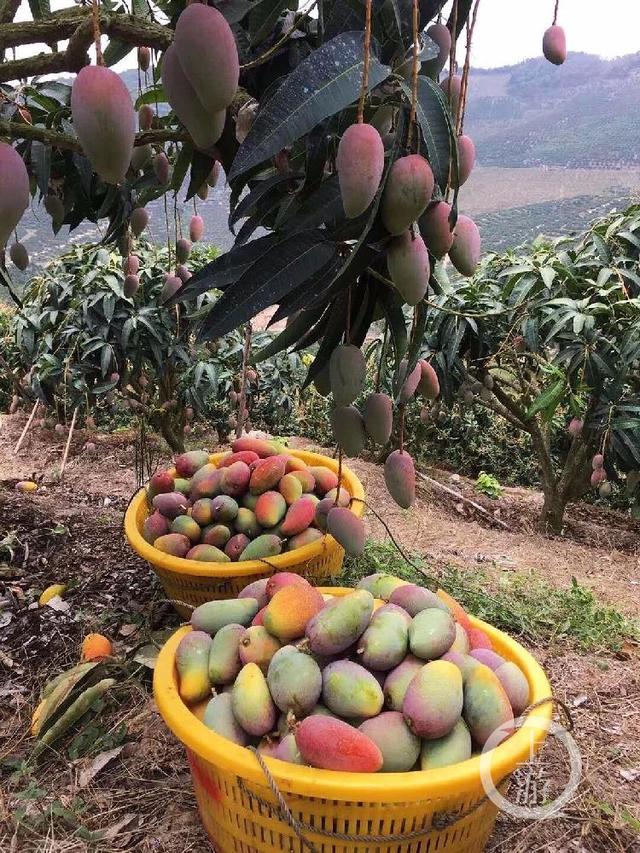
(551, 517)
(174, 437)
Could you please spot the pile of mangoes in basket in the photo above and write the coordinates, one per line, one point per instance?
(332, 682)
(257, 502)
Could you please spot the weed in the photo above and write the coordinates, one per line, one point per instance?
(488, 485)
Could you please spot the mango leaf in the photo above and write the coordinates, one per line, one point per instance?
(115, 51)
(332, 336)
(289, 335)
(262, 19)
(201, 166)
(323, 84)
(41, 164)
(392, 307)
(437, 131)
(261, 188)
(548, 399)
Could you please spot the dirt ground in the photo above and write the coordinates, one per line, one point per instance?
(70, 532)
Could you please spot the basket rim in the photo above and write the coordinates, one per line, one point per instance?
(180, 566)
(373, 787)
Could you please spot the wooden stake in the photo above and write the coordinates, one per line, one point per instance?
(462, 498)
(68, 445)
(243, 380)
(26, 427)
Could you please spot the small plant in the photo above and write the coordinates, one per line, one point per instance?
(488, 485)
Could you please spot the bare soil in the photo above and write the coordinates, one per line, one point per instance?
(71, 532)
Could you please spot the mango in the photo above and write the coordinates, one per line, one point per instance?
(400, 478)
(52, 204)
(342, 499)
(340, 623)
(140, 156)
(439, 34)
(348, 429)
(461, 642)
(223, 509)
(268, 747)
(398, 680)
(466, 157)
(433, 702)
(258, 590)
(414, 598)
(196, 227)
(299, 516)
(456, 610)
(207, 554)
(451, 87)
(322, 510)
(515, 685)
(325, 478)
(139, 220)
(350, 690)
(305, 538)
(216, 534)
(234, 479)
(347, 529)
(192, 663)
(15, 197)
(294, 680)
(444, 751)
(407, 192)
(251, 701)
(465, 663)
(188, 463)
(488, 657)
(435, 228)
(246, 522)
(160, 483)
(380, 585)
(347, 370)
(281, 579)
(431, 633)
(261, 446)
(377, 414)
(224, 655)
(306, 478)
(187, 526)
(478, 639)
(171, 504)
(218, 717)
(204, 127)
(290, 609)
(399, 746)
(554, 45)
(205, 483)
(258, 619)
(154, 526)
(409, 267)
(466, 249)
(290, 488)
(174, 544)
(270, 508)
(383, 645)
(486, 705)
(236, 545)
(258, 646)
(213, 615)
(393, 608)
(360, 163)
(265, 545)
(250, 501)
(104, 121)
(182, 485)
(287, 750)
(294, 463)
(172, 283)
(429, 385)
(246, 456)
(267, 476)
(130, 286)
(332, 744)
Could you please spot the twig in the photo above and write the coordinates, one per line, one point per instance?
(364, 87)
(464, 83)
(462, 498)
(243, 381)
(269, 53)
(415, 66)
(26, 427)
(68, 445)
(64, 141)
(555, 12)
(95, 19)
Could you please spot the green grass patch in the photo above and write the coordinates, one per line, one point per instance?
(525, 606)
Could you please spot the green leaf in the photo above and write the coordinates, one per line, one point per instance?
(289, 335)
(201, 166)
(550, 397)
(41, 163)
(437, 131)
(324, 83)
(261, 188)
(115, 51)
(263, 19)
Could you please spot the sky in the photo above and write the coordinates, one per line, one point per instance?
(509, 31)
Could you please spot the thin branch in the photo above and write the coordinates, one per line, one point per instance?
(64, 141)
(464, 83)
(264, 57)
(364, 87)
(462, 498)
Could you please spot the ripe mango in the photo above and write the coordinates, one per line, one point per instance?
(246, 456)
(332, 744)
(236, 545)
(299, 516)
(399, 746)
(429, 385)
(223, 509)
(347, 529)
(290, 488)
(431, 633)
(224, 655)
(261, 446)
(188, 463)
(192, 663)
(400, 478)
(172, 283)
(433, 702)
(295, 681)
(258, 619)
(466, 157)
(350, 690)
(294, 463)
(171, 504)
(267, 476)
(435, 228)
(466, 249)
(325, 478)
(281, 579)
(414, 598)
(450, 749)
(439, 34)
(258, 590)
(380, 585)
(305, 538)
(409, 267)
(250, 501)
(451, 87)
(251, 701)
(182, 485)
(213, 615)
(515, 685)
(205, 483)
(268, 747)
(461, 642)
(407, 192)
(247, 523)
(265, 545)
(234, 479)
(204, 127)
(465, 663)
(323, 508)
(196, 227)
(360, 163)
(347, 370)
(398, 680)
(154, 526)
(216, 534)
(383, 645)
(342, 499)
(478, 639)
(218, 717)
(488, 657)
(139, 217)
(160, 483)
(258, 646)
(307, 480)
(287, 750)
(187, 526)
(340, 623)
(377, 414)
(554, 45)
(486, 705)
(174, 544)
(290, 609)
(207, 554)
(270, 508)
(15, 197)
(456, 610)
(348, 429)
(393, 608)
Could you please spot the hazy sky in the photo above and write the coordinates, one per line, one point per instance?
(509, 31)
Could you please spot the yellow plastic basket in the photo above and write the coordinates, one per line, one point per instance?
(195, 582)
(240, 813)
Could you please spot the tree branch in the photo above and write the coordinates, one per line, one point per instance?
(18, 130)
